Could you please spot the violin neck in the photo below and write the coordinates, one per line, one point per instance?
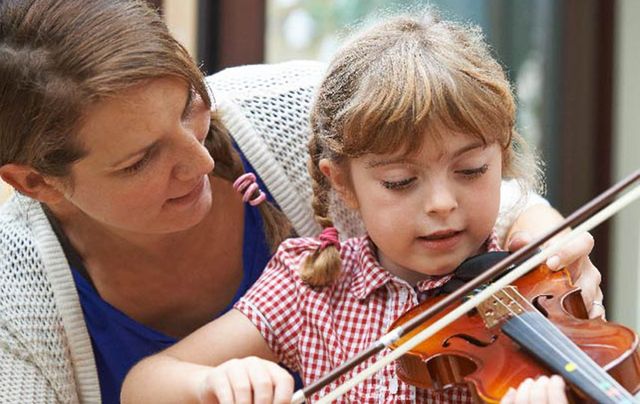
(542, 339)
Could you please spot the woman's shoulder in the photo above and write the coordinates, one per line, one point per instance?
(35, 343)
(247, 81)
(24, 226)
(25, 236)
(32, 265)
(17, 216)
(265, 108)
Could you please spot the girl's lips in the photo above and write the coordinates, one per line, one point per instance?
(441, 241)
(441, 234)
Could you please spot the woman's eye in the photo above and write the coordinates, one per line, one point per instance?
(202, 138)
(139, 165)
(190, 105)
(474, 172)
(188, 112)
(402, 184)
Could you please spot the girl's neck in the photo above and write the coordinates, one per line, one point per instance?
(414, 277)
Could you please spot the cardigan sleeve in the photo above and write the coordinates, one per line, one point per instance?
(513, 201)
(41, 359)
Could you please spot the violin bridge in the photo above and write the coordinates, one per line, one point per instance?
(503, 305)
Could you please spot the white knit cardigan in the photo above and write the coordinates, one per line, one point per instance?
(45, 350)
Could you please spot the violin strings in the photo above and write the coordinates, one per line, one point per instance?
(584, 364)
(588, 365)
(583, 367)
(529, 326)
(590, 370)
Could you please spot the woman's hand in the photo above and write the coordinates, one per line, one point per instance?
(248, 380)
(575, 257)
(543, 390)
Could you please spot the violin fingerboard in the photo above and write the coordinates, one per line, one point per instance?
(537, 335)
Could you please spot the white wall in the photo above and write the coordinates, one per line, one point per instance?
(5, 192)
(181, 18)
(624, 281)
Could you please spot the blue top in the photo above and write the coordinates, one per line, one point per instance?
(119, 342)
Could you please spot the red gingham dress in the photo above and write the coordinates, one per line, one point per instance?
(315, 330)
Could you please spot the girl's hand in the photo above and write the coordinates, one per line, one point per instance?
(543, 390)
(247, 380)
(575, 257)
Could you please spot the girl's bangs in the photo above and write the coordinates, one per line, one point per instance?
(394, 107)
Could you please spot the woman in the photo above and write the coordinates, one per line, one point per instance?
(127, 233)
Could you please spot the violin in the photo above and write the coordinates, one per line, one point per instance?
(531, 300)
(537, 326)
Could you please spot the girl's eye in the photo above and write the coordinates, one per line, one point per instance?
(474, 172)
(139, 165)
(402, 184)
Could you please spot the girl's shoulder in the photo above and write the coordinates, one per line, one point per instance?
(292, 253)
(306, 245)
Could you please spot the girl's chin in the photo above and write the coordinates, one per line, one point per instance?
(438, 272)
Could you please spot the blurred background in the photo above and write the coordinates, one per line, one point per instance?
(573, 63)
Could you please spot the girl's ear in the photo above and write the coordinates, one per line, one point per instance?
(29, 182)
(339, 179)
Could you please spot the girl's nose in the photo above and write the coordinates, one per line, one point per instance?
(195, 161)
(441, 200)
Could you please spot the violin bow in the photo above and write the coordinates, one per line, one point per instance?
(525, 258)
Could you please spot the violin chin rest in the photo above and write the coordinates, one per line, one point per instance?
(471, 268)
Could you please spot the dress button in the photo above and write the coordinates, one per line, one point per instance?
(393, 385)
(403, 295)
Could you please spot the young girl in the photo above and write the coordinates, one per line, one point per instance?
(413, 126)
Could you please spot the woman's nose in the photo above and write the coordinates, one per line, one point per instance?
(195, 161)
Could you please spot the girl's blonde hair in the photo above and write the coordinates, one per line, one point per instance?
(394, 82)
(57, 57)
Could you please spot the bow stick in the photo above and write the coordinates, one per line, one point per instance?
(526, 258)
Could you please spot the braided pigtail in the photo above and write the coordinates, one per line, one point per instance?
(229, 167)
(218, 143)
(323, 266)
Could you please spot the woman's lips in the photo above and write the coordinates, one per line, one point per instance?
(191, 196)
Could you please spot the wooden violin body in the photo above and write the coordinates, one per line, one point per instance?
(475, 349)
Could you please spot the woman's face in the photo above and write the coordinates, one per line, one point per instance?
(146, 167)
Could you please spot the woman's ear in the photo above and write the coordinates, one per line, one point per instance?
(340, 182)
(31, 183)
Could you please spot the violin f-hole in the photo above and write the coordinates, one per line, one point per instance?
(573, 304)
(536, 303)
(470, 339)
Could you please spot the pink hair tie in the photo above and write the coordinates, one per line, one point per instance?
(246, 185)
(329, 236)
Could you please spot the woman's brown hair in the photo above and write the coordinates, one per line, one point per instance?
(59, 56)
